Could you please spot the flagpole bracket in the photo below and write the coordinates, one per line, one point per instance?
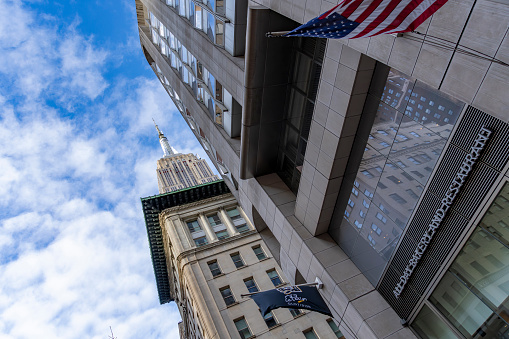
(319, 284)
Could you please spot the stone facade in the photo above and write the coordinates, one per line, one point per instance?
(198, 274)
(306, 218)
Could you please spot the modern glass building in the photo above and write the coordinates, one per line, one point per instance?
(374, 164)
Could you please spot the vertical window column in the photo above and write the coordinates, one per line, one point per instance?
(229, 225)
(182, 225)
(175, 240)
(207, 228)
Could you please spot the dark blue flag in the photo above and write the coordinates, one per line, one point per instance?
(303, 297)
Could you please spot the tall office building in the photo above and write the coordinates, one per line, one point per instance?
(177, 171)
(206, 253)
(379, 164)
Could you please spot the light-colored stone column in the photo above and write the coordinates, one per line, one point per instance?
(175, 240)
(207, 228)
(244, 216)
(228, 223)
(181, 228)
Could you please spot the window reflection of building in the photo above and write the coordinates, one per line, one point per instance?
(474, 293)
(400, 153)
(302, 89)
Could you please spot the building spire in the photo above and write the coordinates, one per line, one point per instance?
(164, 142)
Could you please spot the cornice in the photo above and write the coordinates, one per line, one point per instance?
(165, 213)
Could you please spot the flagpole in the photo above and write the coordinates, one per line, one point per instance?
(276, 34)
(308, 284)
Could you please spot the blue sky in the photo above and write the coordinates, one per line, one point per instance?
(77, 150)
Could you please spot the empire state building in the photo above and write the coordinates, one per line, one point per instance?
(176, 171)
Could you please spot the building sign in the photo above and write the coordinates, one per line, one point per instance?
(452, 192)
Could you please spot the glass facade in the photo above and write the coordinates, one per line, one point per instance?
(473, 296)
(410, 129)
(300, 102)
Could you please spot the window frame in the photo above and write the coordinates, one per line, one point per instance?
(262, 252)
(218, 268)
(254, 285)
(235, 321)
(240, 260)
(281, 282)
(227, 297)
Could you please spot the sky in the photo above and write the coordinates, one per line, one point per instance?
(78, 149)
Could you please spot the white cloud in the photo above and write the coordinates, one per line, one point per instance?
(44, 61)
(75, 257)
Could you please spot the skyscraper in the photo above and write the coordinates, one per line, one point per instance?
(177, 171)
(378, 164)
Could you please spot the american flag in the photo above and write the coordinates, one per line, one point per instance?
(353, 19)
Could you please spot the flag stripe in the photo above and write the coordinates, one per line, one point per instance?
(351, 8)
(403, 25)
(368, 10)
(426, 14)
(403, 18)
(386, 13)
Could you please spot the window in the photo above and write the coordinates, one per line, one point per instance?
(234, 214)
(357, 223)
(242, 327)
(201, 241)
(310, 334)
(214, 268)
(367, 174)
(228, 297)
(355, 192)
(193, 226)
(270, 320)
(351, 203)
(214, 220)
(394, 179)
(237, 260)
(380, 217)
(274, 277)
(242, 228)
(259, 252)
(415, 161)
(397, 198)
(251, 285)
(415, 134)
(376, 229)
(223, 234)
(401, 164)
(334, 328)
(365, 203)
(418, 174)
(371, 240)
(295, 312)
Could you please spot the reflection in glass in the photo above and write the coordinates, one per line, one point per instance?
(211, 26)
(429, 326)
(474, 293)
